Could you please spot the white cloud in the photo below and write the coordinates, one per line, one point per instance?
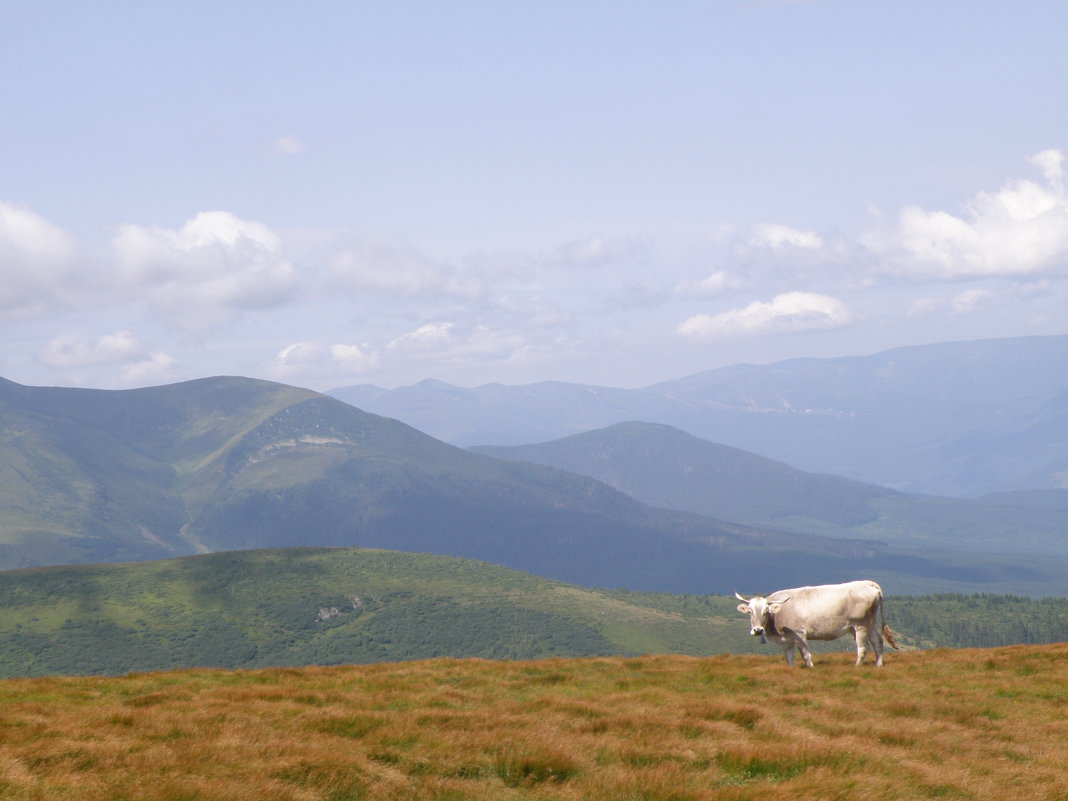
(354, 358)
(780, 255)
(36, 259)
(368, 263)
(776, 236)
(1051, 162)
(962, 303)
(125, 361)
(311, 360)
(157, 368)
(428, 337)
(971, 300)
(447, 342)
(429, 347)
(791, 312)
(205, 273)
(76, 351)
(1020, 230)
(300, 353)
(716, 283)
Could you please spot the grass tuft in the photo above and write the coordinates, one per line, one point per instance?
(523, 767)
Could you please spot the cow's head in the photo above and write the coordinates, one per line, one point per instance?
(761, 613)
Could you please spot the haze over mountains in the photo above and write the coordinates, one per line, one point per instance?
(232, 463)
(665, 467)
(958, 419)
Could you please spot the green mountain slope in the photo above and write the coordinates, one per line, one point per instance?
(325, 606)
(663, 466)
(92, 475)
(229, 463)
(301, 606)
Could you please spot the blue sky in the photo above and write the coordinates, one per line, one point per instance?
(333, 193)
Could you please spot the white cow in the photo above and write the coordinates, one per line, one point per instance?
(790, 618)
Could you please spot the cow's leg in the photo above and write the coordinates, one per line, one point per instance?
(875, 637)
(802, 646)
(862, 635)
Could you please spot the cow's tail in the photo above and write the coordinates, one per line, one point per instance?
(888, 633)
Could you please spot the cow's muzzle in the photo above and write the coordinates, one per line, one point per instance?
(757, 631)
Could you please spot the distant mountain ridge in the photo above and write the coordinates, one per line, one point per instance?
(665, 467)
(957, 419)
(228, 463)
(231, 463)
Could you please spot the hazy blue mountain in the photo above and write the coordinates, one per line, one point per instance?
(959, 419)
(230, 464)
(497, 414)
(666, 467)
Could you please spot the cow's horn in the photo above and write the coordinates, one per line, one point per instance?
(739, 597)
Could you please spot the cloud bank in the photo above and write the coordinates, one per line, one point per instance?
(203, 274)
(1019, 230)
(332, 307)
(36, 260)
(791, 312)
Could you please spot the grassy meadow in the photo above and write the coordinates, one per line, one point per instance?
(969, 724)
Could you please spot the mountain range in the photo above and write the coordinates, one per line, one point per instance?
(955, 419)
(665, 467)
(231, 464)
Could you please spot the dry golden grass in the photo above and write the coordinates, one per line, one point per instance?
(943, 724)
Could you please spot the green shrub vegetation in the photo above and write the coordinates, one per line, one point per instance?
(320, 606)
(329, 606)
(980, 620)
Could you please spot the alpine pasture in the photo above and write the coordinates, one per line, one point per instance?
(968, 724)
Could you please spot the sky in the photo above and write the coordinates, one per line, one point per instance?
(333, 193)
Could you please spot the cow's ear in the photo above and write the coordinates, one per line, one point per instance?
(743, 608)
(776, 606)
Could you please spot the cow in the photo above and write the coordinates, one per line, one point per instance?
(790, 618)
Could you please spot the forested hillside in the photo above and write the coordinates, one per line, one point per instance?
(300, 606)
(295, 607)
(979, 621)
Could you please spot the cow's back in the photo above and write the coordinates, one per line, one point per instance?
(826, 611)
